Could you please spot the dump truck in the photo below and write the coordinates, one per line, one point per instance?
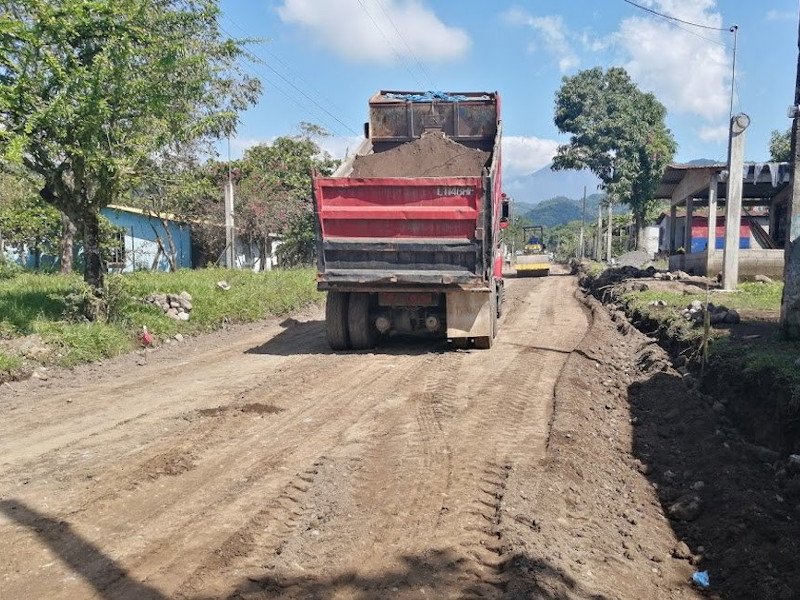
(533, 259)
(408, 226)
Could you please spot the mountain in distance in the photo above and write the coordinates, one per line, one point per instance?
(561, 210)
(545, 184)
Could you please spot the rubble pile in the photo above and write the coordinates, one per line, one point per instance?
(175, 306)
(718, 315)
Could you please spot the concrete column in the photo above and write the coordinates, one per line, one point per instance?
(598, 247)
(673, 227)
(687, 225)
(733, 198)
(790, 304)
(610, 221)
(230, 232)
(711, 243)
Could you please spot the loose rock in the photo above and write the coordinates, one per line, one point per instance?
(681, 551)
(687, 508)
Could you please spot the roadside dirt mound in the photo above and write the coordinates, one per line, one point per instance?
(432, 155)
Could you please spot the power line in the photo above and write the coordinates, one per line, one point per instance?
(390, 44)
(292, 99)
(702, 37)
(420, 66)
(663, 16)
(260, 60)
(289, 68)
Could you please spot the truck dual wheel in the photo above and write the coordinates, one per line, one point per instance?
(362, 332)
(336, 309)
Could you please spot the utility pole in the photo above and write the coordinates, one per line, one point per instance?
(230, 232)
(733, 202)
(583, 225)
(608, 241)
(598, 246)
(790, 304)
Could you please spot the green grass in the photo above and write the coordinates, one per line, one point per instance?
(36, 303)
(9, 363)
(773, 361)
(750, 296)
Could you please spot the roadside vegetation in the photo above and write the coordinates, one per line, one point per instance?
(750, 296)
(48, 311)
(751, 371)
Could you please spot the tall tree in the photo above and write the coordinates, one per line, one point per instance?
(90, 90)
(618, 132)
(780, 146)
(26, 222)
(274, 192)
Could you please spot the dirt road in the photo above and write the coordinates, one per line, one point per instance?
(257, 464)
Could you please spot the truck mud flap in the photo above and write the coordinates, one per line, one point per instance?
(470, 314)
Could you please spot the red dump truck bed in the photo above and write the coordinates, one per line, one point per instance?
(415, 253)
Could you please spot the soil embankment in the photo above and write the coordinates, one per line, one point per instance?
(717, 448)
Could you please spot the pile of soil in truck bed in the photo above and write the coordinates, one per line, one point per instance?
(432, 155)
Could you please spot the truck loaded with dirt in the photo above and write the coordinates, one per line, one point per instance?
(408, 226)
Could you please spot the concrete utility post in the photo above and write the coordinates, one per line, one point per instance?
(790, 305)
(230, 235)
(711, 243)
(733, 200)
(687, 225)
(583, 225)
(598, 246)
(608, 241)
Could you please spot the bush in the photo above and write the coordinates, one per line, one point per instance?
(9, 269)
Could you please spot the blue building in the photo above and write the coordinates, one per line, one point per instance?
(143, 243)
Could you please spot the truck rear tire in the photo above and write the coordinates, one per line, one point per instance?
(363, 334)
(336, 330)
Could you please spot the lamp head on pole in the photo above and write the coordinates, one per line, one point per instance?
(739, 123)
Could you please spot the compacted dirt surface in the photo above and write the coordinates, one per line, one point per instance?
(256, 463)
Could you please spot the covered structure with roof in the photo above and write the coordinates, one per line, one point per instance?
(698, 193)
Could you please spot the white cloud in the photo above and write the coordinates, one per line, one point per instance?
(525, 154)
(690, 74)
(339, 146)
(713, 133)
(552, 33)
(240, 144)
(359, 30)
(781, 15)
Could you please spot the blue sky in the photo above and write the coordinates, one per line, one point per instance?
(336, 53)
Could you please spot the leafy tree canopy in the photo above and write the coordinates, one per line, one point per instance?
(91, 90)
(617, 131)
(25, 220)
(274, 191)
(780, 146)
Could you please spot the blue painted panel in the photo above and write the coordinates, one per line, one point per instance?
(699, 244)
(141, 235)
(744, 243)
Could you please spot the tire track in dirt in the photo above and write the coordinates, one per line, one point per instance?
(300, 472)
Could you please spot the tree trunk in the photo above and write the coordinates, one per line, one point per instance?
(638, 226)
(93, 273)
(68, 231)
(262, 254)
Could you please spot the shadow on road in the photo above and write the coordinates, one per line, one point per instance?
(308, 337)
(722, 493)
(436, 574)
(108, 578)
(433, 574)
